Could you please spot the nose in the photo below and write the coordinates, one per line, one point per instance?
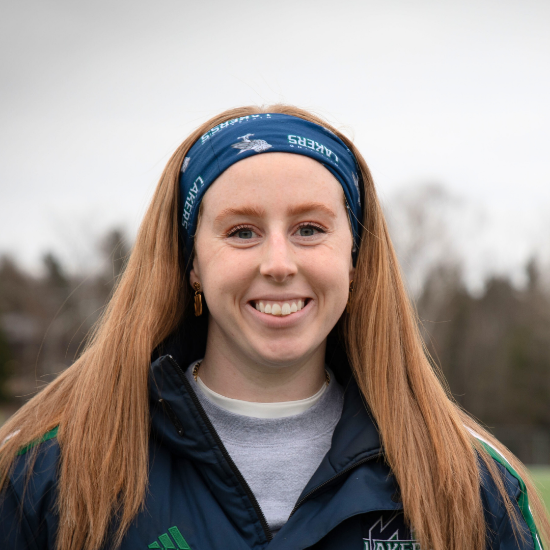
(278, 261)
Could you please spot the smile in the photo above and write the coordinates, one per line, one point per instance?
(279, 309)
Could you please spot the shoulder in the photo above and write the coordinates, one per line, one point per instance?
(28, 503)
(52, 434)
(497, 516)
(35, 466)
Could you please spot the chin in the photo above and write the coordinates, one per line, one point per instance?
(283, 353)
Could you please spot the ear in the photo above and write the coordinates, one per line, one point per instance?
(194, 275)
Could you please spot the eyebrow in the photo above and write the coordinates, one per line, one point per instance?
(249, 211)
(311, 207)
(256, 212)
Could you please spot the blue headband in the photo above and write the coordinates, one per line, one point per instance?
(240, 138)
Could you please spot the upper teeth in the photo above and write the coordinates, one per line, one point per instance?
(280, 308)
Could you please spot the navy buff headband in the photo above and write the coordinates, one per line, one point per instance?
(240, 138)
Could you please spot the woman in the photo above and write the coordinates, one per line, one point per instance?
(290, 404)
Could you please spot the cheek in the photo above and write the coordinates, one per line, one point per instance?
(330, 275)
(336, 287)
(226, 275)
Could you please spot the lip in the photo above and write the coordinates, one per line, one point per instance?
(273, 298)
(276, 321)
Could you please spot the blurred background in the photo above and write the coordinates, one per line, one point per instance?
(448, 102)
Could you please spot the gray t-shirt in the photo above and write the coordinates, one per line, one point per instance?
(277, 456)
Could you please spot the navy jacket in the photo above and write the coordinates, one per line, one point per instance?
(197, 499)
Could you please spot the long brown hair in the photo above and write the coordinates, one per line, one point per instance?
(101, 402)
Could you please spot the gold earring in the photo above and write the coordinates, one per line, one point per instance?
(348, 305)
(198, 299)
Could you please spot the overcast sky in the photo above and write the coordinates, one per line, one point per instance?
(95, 96)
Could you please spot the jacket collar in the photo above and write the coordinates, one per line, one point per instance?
(178, 421)
(355, 437)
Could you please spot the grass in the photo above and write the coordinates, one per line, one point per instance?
(541, 477)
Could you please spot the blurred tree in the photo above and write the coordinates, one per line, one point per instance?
(419, 221)
(533, 275)
(16, 288)
(54, 272)
(5, 365)
(44, 319)
(494, 350)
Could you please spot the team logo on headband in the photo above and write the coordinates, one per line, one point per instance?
(185, 164)
(355, 178)
(247, 144)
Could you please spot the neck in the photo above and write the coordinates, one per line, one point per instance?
(233, 374)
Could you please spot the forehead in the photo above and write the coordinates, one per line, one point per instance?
(273, 179)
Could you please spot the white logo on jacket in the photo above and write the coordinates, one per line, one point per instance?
(393, 542)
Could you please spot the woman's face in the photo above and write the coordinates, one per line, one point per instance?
(273, 257)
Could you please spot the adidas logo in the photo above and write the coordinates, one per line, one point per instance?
(168, 543)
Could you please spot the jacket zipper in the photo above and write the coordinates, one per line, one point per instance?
(344, 471)
(232, 465)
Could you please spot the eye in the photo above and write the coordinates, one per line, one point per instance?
(242, 232)
(309, 230)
